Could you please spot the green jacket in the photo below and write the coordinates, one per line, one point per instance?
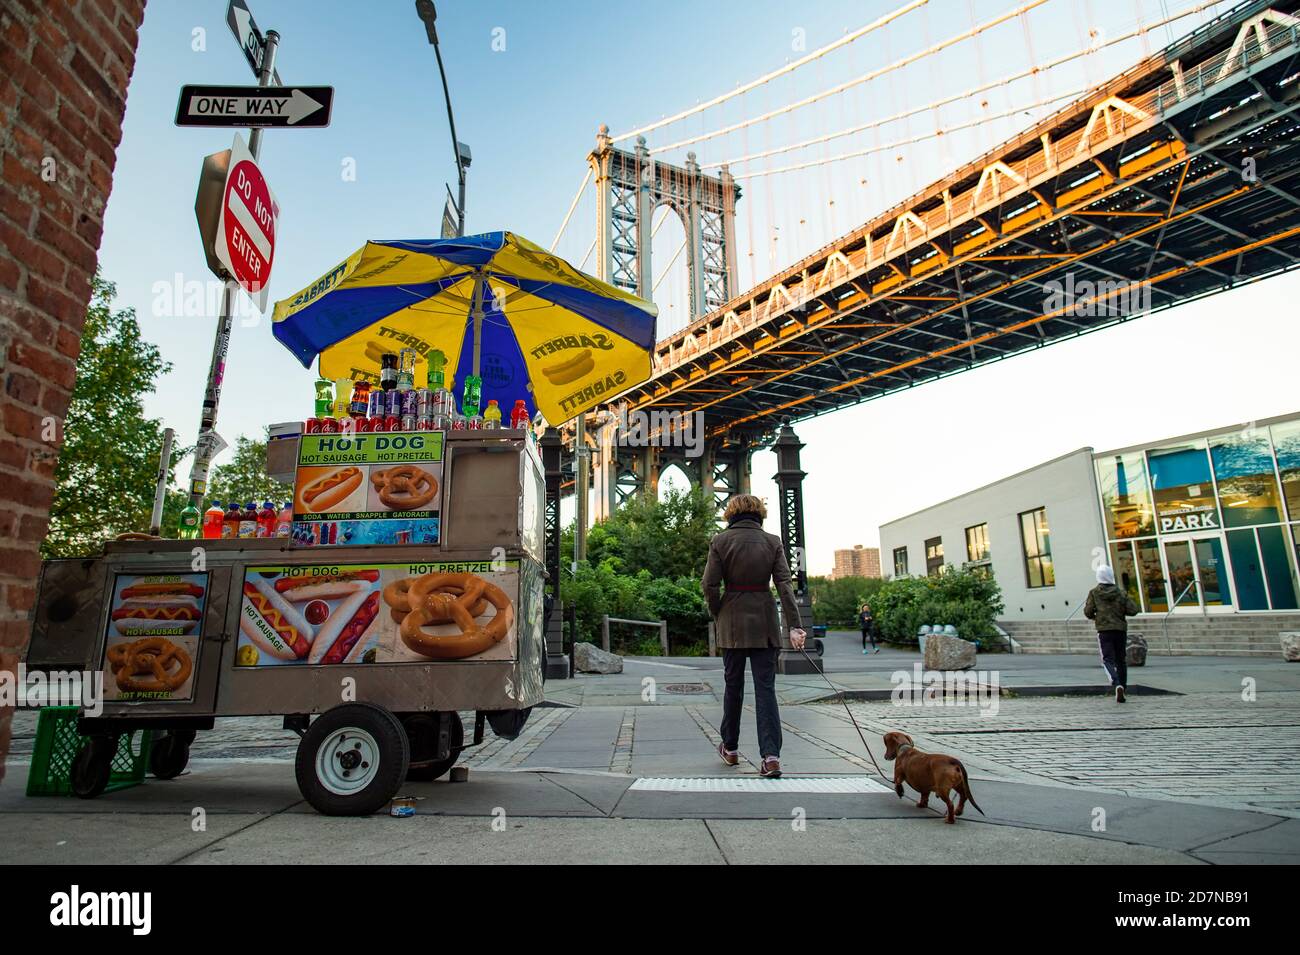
(1107, 607)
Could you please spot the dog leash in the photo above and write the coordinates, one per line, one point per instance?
(844, 703)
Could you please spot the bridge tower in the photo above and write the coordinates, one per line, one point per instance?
(789, 483)
(630, 186)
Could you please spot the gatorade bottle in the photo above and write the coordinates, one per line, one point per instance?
(188, 526)
(267, 518)
(230, 523)
(284, 523)
(213, 518)
(248, 521)
(519, 416)
(492, 416)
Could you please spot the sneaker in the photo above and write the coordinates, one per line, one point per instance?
(729, 756)
(1119, 694)
(864, 651)
(771, 768)
(877, 650)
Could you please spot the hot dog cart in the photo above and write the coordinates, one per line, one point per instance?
(397, 601)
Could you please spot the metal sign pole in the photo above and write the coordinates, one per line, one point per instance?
(204, 449)
(160, 490)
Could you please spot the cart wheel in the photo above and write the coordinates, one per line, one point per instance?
(422, 728)
(92, 766)
(352, 759)
(169, 755)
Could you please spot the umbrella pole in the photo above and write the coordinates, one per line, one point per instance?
(477, 312)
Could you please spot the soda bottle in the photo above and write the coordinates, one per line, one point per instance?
(469, 401)
(406, 369)
(213, 518)
(188, 525)
(324, 398)
(284, 523)
(248, 521)
(360, 402)
(230, 523)
(492, 416)
(266, 520)
(519, 416)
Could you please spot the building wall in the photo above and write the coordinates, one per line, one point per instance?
(857, 561)
(1066, 486)
(64, 70)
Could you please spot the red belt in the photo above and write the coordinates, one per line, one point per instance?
(737, 588)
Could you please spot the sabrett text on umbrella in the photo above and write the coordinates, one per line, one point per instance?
(319, 286)
(610, 383)
(572, 341)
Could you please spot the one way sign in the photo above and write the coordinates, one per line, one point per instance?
(255, 106)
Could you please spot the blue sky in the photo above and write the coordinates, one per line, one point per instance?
(531, 82)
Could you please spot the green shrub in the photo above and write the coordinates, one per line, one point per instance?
(970, 600)
(836, 602)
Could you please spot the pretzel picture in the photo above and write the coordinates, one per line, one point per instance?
(405, 487)
(437, 598)
(151, 665)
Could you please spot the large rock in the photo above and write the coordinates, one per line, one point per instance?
(589, 658)
(1137, 650)
(946, 652)
(1290, 645)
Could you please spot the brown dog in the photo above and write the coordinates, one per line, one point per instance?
(929, 773)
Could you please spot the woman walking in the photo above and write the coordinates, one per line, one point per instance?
(868, 623)
(744, 562)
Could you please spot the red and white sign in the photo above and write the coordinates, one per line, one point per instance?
(249, 216)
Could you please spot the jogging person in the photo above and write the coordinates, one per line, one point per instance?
(1109, 608)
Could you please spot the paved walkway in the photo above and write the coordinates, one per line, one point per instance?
(1201, 776)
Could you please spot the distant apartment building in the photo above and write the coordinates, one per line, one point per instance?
(858, 561)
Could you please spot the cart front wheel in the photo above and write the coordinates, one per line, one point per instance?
(422, 728)
(352, 760)
(92, 767)
(169, 755)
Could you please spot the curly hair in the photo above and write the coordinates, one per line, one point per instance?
(745, 504)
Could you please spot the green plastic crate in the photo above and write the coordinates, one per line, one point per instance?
(57, 745)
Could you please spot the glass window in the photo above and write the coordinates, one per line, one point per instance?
(1183, 489)
(1037, 540)
(900, 561)
(934, 556)
(977, 543)
(1246, 571)
(1278, 569)
(1154, 596)
(1126, 495)
(1243, 466)
(1286, 441)
(1125, 566)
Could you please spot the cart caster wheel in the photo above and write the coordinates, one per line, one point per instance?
(169, 755)
(92, 767)
(422, 728)
(352, 760)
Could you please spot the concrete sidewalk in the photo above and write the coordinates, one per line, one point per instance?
(1207, 774)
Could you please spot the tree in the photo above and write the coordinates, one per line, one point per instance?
(108, 466)
(836, 602)
(244, 477)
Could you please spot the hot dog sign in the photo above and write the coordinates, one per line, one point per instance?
(387, 613)
(155, 624)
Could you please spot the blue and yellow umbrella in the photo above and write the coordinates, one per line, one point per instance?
(527, 322)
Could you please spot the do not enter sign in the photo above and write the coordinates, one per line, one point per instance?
(245, 243)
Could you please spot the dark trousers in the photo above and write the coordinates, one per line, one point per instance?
(762, 663)
(1114, 655)
(868, 633)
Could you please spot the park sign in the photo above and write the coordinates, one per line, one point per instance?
(245, 238)
(255, 106)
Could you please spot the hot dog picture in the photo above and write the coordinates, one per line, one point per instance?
(272, 624)
(328, 489)
(349, 624)
(299, 589)
(571, 369)
(167, 607)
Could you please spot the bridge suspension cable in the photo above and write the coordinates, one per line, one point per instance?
(849, 84)
(787, 68)
(572, 205)
(973, 91)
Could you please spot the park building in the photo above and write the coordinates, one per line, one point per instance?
(1203, 531)
(857, 561)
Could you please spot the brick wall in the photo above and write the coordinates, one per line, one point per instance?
(64, 69)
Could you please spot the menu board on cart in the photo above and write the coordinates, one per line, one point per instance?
(382, 613)
(155, 623)
(383, 488)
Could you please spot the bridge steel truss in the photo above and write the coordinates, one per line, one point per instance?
(1177, 179)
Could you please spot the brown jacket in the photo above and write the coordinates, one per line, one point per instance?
(745, 558)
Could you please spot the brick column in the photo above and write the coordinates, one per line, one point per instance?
(64, 70)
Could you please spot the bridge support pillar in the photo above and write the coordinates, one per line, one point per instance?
(605, 471)
(789, 482)
(557, 661)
